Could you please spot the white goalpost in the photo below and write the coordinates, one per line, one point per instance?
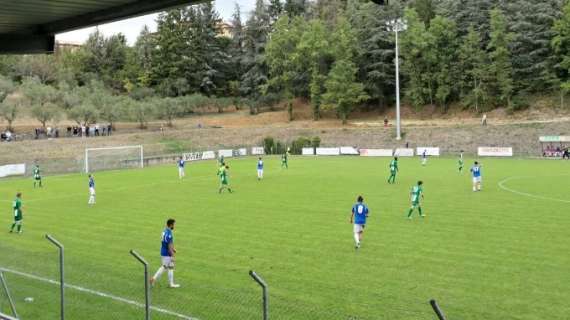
(114, 158)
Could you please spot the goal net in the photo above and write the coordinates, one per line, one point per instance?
(112, 158)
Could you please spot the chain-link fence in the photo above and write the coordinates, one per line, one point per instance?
(110, 289)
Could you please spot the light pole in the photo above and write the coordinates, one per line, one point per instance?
(397, 25)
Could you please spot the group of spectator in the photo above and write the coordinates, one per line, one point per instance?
(6, 136)
(556, 152)
(95, 130)
(90, 131)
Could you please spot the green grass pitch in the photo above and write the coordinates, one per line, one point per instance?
(497, 254)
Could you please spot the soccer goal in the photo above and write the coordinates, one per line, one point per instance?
(97, 159)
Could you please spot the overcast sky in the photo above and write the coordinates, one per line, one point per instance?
(132, 27)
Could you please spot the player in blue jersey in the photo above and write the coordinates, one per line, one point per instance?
(260, 169)
(358, 216)
(424, 157)
(167, 252)
(91, 190)
(476, 173)
(181, 173)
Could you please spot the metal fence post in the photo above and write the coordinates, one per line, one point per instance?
(146, 287)
(437, 310)
(265, 293)
(61, 274)
(10, 300)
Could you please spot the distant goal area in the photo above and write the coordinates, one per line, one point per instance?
(114, 158)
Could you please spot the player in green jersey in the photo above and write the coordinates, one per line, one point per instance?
(224, 178)
(393, 170)
(285, 160)
(17, 209)
(460, 162)
(416, 195)
(37, 176)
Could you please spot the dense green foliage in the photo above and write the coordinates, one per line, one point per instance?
(491, 255)
(480, 54)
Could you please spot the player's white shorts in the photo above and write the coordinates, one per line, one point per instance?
(476, 179)
(92, 191)
(358, 228)
(260, 172)
(167, 262)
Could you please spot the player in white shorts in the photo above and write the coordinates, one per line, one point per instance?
(181, 173)
(167, 253)
(359, 215)
(476, 172)
(260, 169)
(91, 190)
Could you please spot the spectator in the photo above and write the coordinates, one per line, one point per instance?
(566, 154)
(109, 129)
(56, 132)
(97, 130)
(104, 129)
(484, 120)
(82, 131)
(385, 121)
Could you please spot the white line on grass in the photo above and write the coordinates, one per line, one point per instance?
(530, 195)
(98, 293)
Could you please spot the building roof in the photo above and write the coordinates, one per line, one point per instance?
(29, 26)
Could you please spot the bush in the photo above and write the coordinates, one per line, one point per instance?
(300, 143)
(316, 142)
(520, 102)
(269, 100)
(268, 145)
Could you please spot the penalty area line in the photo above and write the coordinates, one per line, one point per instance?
(501, 185)
(98, 293)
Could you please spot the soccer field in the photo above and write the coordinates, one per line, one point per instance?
(502, 253)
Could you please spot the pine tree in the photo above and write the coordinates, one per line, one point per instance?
(257, 32)
(445, 49)
(501, 69)
(295, 7)
(531, 22)
(418, 60)
(561, 45)
(376, 41)
(472, 68)
(275, 10)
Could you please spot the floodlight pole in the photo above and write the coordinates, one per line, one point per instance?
(397, 26)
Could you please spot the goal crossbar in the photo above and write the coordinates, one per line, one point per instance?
(87, 150)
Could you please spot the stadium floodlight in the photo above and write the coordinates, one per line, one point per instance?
(114, 158)
(397, 26)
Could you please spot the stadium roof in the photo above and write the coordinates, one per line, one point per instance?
(29, 26)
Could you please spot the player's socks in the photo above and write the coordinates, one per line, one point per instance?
(12, 228)
(171, 283)
(410, 213)
(356, 239)
(19, 228)
(158, 273)
(420, 210)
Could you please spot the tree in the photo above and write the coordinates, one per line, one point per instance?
(472, 68)
(561, 45)
(280, 57)
(42, 99)
(257, 31)
(295, 8)
(531, 23)
(84, 113)
(8, 109)
(42, 66)
(425, 10)
(237, 51)
(376, 40)
(501, 67)
(167, 109)
(275, 10)
(314, 52)
(418, 60)
(445, 48)
(139, 111)
(343, 91)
